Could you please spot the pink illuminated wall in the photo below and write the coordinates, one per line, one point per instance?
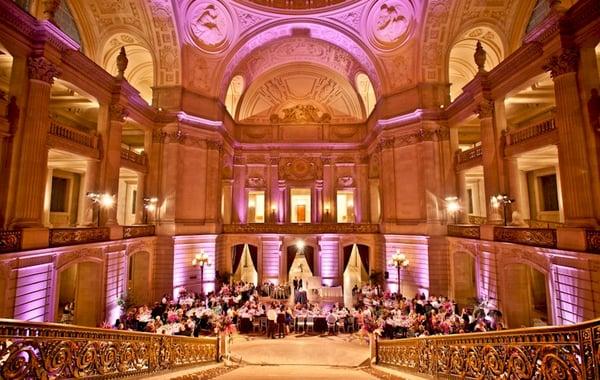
(116, 283)
(415, 278)
(184, 274)
(329, 248)
(33, 293)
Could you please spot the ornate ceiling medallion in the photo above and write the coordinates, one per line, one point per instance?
(209, 25)
(390, 23)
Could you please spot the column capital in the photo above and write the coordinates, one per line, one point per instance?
(118, 112)
(386, 143)
(214, 145)
(565, 63)
(485, 109)
(40, 68)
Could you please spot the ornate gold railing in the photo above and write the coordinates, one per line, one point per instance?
(539, 237)
(526, 133)
(566, 352)
(10, 241)
(69, 236)
(543, 224)
(52, 351)
(464, 231)
(478, 220)
(592, 240)
(137, 231)
(292, 228)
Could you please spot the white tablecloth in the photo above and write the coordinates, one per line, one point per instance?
(332, 292)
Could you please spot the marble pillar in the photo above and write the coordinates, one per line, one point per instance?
(485, 111)
(32, 164)
(572, 151)
(139, 199)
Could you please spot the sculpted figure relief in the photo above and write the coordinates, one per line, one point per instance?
(391, 25)
(210, 26)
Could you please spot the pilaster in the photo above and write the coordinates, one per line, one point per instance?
(485, 112)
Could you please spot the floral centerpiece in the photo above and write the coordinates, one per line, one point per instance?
(224, 325)
(372, 326)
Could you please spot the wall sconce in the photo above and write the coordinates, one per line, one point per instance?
(149, 206)
(502, 200)
(452, 207)
(101, 200)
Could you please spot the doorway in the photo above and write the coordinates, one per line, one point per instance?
(79, 299)
(244, 258)
(465, 287)
(139, 277)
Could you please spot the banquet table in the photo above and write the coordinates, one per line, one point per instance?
(246, 325)
(332, 292)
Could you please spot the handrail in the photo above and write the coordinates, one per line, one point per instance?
(72, 134)
(33, 350)
(551, 352)
(60, 237)
(469, 154)
(138, 231)
(132, 156)
(529, 132)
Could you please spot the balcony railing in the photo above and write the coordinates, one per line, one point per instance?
(523, 134)
(538, 237)
(10, 241)
(592, 239)
(60, 237)
(53, 351)
(478, 220)
(293, 228)
(566, 352)
(137, 231)
(464, 231)
(133, 157)
(469, 155)
(73, 139)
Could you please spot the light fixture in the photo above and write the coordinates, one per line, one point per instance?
(149, 206)
(502, 200)
(399, 261)
(300, 245)
(104, 200)
(201, 260)
(452, 207)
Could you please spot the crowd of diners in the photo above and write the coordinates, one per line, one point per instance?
(243, 307)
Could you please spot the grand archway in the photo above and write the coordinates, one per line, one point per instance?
(356, 270)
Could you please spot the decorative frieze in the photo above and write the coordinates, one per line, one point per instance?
(592, 239)
(562, 64)
(294, 228)
(469, 232)
(70, 236)
(138, 231)
(300, 168)
(538, 237)
(40, 68)
(256, 182)
(10, 241)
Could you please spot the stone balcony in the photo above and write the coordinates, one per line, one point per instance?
(300, 229)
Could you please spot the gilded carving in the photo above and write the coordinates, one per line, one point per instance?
(539, 237)
(301, 114)
(300, 169)
(42, 69)
(70, 236)
(10, 241)
(565, 63)
(469, 232)
(137, 231)
(317, 228)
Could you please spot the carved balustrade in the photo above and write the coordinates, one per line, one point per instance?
(592, 240)
(531, 137)
(538, 237)
(565, 352)
(464, 231)
(10, 241)
(70, 236)
(293, 228)
(543, 224)
(133, 160)
(53, 351)
(72, 139)
(137, 231)
(478, 220)
(469, 158)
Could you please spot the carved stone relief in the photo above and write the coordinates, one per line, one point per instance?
(210, 25)
(345, 182)
(255, 182)
(300, 169)
(390, 23)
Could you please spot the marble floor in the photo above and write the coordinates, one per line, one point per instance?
(299, 357)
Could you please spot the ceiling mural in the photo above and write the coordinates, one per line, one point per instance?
(203, 44)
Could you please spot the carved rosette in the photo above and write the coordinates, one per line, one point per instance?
(210, 25)
(118, 112)
(42, 69)
(390, 24)
(485, 109)
(562, 64)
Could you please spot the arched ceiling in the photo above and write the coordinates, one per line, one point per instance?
(202, 44)
(286, 94)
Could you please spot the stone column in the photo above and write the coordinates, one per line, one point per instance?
(90, 185)
(485, 111)
(318, 203)
(388, 183)
(32, 164)
(111, 119)
(514, 189)
(572, 153)
(48, 197)
(139, 199)
(463, 197)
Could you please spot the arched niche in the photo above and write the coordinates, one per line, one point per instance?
(139, 277)
(79, 287)
(140, 72)
(365, 89)
(233, 95)
(462, 68)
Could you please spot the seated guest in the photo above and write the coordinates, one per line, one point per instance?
(331, 321)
